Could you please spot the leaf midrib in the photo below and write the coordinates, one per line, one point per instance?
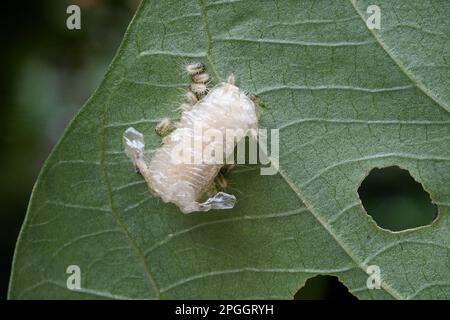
(138, 250)
(422, 87)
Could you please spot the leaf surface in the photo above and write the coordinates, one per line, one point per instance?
(346, 99)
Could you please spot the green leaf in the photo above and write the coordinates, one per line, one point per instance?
(346, 99)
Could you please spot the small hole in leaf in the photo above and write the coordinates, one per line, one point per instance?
(324, 288)
(395, 200)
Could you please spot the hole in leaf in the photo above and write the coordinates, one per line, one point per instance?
(395, 200)
(324, 288)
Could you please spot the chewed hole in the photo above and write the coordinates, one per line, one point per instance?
(324, 288)
(395, 200)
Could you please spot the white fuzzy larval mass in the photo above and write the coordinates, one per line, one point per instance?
(224, 108)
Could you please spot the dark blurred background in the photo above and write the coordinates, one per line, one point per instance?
(48, 73)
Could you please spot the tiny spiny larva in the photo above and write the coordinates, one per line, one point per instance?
(195, 68)
(200, 78)
(164, 127)
(224, 107)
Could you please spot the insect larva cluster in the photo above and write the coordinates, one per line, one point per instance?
(190, 184)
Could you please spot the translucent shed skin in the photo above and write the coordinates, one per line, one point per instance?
(224, 108)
